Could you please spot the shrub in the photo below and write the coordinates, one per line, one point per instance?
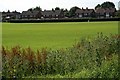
(89, 58)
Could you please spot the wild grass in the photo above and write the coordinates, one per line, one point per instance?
(89, 58)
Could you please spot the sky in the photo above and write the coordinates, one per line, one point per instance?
(22, 5)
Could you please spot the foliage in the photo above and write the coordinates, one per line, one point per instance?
(98, 6)
(57, 8)
(117, 14)
(106, 5)
(72, 11)
(36, 8)
(89, 58)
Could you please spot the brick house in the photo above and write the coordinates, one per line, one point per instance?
(30, 15)
(47, 14)
(10, 15)
(58, 14)
(105, 13)
(80, 13)
(52, 14)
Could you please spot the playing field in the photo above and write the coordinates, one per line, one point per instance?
(52, 35)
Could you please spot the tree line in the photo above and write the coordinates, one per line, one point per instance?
(71, 12)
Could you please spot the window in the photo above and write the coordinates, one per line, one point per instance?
(86, 14)
(80, 15)
(107, 15)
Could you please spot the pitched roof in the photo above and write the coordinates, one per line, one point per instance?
(35, 12)
(47, 12)
(110, 10)
(26, 13)
(100, 10)
(84, 11)
(50, 12)
(30, 13)
(10, 13)
(57, 12)
(106, 10)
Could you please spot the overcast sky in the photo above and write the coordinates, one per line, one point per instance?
(21, 5)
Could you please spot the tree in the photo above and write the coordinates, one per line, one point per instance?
(30, 9)
(37, 9)
(72, 11)
(57, 8)
(108, 5)
(65, 10)
(8, 11)
(98, 6)
(117, 14)
(66, 14)
(53, 9)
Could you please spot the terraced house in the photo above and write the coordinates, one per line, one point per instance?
(105, 13)
(10, 15)
(31, 14)
(55, 14)
(60, 14)
(80, 13)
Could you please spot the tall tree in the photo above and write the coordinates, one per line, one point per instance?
(8, 11)
(57, 8)
(72, 11)
(36, 8)
(108, 5)
(53, 9)
(30, 9)
(98, 6)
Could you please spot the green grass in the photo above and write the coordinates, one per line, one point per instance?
(52, 35)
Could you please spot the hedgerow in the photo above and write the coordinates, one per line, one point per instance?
(89, 58)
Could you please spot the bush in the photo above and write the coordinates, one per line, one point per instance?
(89, 58)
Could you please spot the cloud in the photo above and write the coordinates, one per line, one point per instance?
(22, 5)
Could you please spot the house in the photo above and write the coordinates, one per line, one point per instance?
(100, 13)
(58, 14)
(110, 12)
(105, 13)
(31, 14)
(47, 14)
(52, 14)
(10, 15)
(80, 13)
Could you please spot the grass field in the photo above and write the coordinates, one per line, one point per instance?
(52, 35)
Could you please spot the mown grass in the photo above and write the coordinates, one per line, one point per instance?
(89, 58)
(52, 35)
